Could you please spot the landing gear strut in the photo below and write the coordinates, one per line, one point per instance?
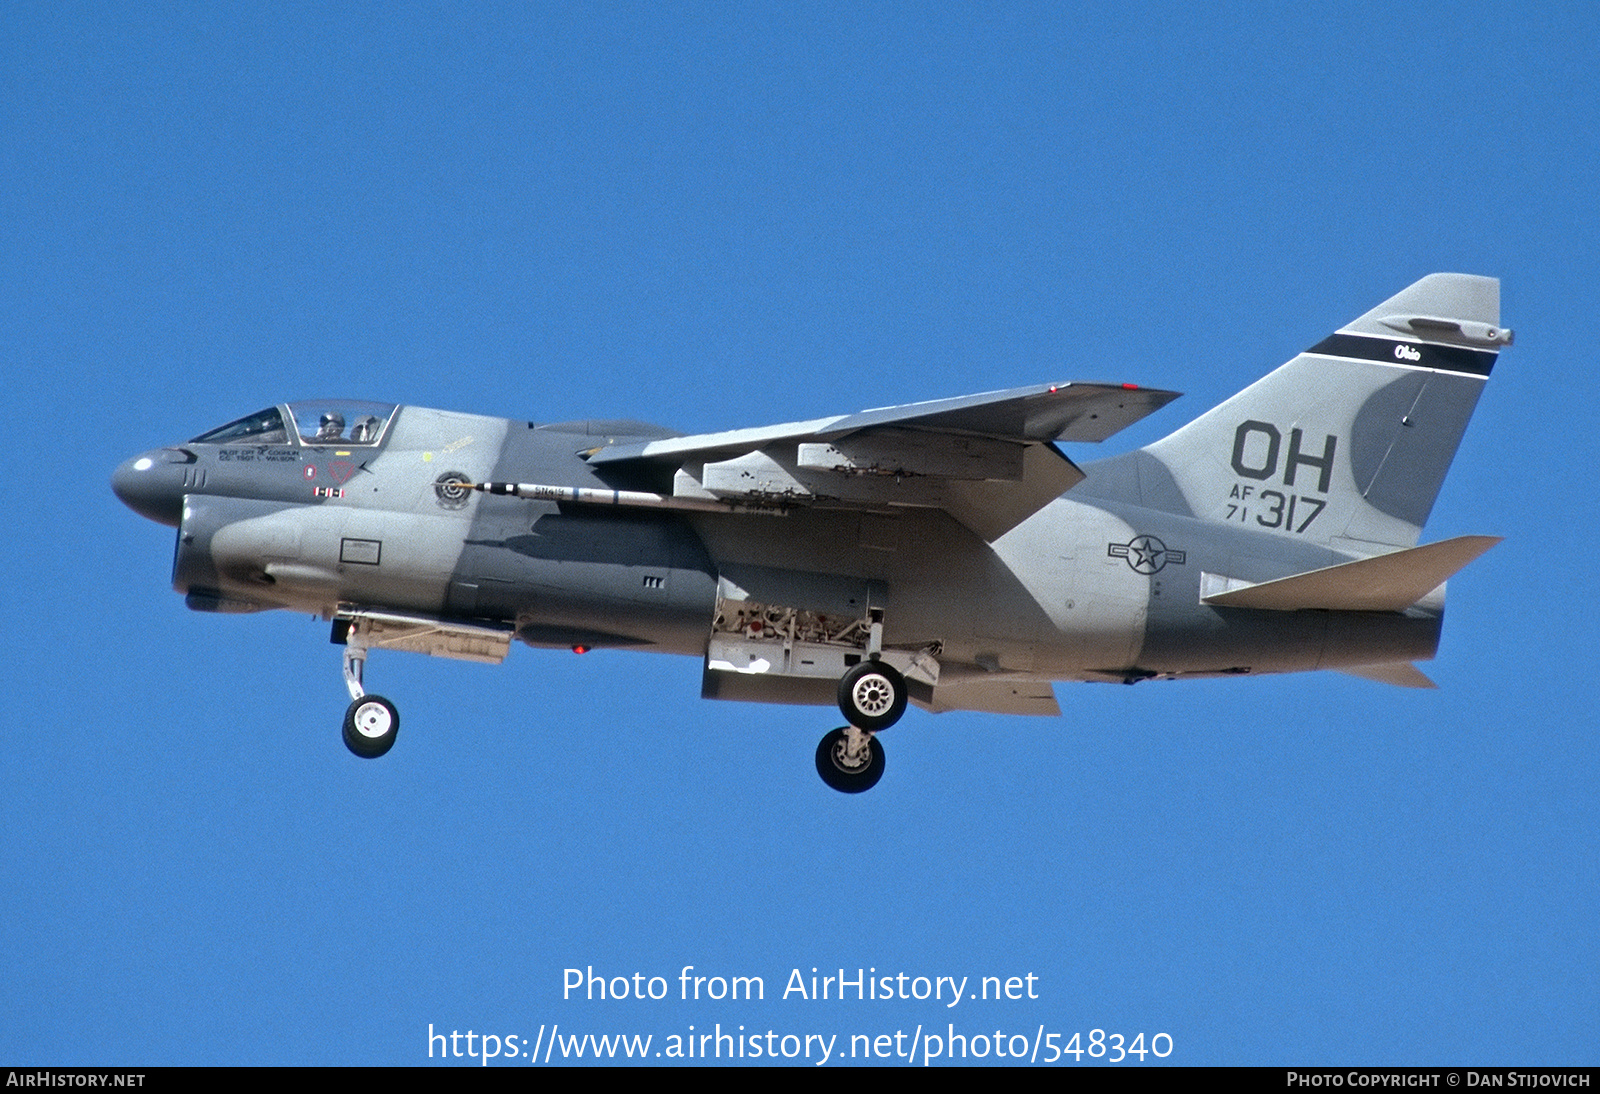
(371, 721)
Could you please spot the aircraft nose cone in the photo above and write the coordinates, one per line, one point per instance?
(153, 485)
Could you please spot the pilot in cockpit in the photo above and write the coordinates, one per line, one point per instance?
(365, 431)
(331, 428)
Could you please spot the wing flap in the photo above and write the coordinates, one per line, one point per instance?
(992, 509)
(1387, 583)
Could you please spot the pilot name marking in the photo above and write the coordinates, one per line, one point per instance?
(246, 455)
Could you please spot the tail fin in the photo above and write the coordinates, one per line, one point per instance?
(1347, 444)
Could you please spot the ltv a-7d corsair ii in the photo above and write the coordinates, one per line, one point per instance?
(941, 553)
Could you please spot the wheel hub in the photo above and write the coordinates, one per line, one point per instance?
(372, 720)
(872, 695)
(852, 753)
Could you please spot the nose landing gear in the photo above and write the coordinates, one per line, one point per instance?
(371, 722)
(370, 726)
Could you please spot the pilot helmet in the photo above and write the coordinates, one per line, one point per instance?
(331, 424)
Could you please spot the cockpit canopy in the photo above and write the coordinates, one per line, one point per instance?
(312, 422)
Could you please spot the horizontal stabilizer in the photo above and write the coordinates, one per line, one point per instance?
(1387, 583)
(1402, 674)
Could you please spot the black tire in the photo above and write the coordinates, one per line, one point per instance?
(838, 773)
(872, 696)
(370, 726)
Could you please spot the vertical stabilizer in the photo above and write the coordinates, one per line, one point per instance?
(1348, 444)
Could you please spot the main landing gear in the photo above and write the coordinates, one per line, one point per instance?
(850, 760)
(872, 697)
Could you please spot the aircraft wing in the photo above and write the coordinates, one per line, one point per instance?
(989, 460)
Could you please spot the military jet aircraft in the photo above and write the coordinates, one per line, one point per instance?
(945, 554)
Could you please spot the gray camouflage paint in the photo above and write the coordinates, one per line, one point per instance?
(1327, 459)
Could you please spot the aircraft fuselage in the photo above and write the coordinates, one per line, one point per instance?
(1082, 590)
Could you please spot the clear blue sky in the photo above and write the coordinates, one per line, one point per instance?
(732, 216)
